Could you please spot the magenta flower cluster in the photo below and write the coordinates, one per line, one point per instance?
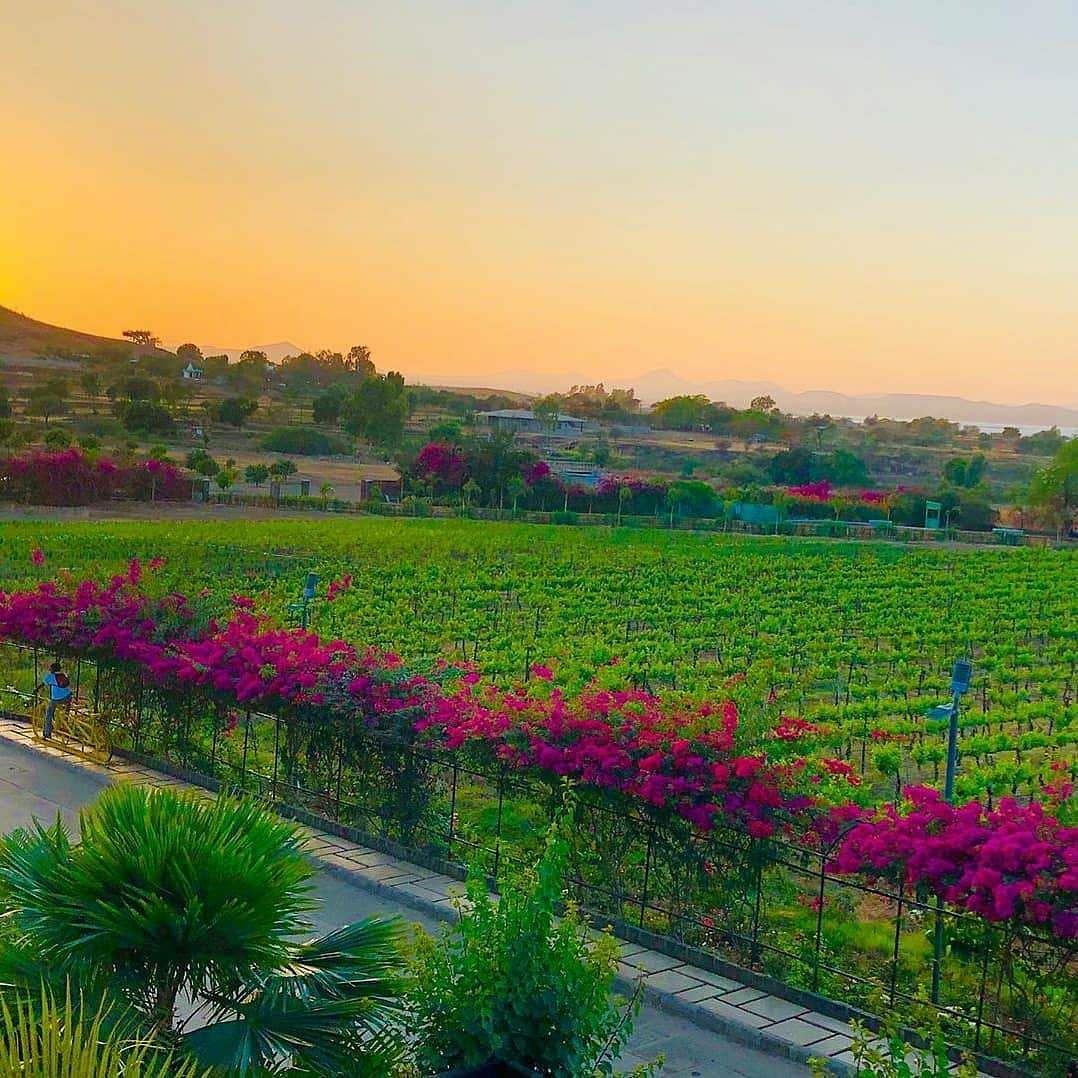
(682, 759)
(1012, 862)
(72, 477)
(439, 462)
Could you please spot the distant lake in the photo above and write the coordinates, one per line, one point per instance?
(1025, 429)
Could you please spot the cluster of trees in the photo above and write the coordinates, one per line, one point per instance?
(761, 419)
(373, 407)
(227, 475)
(459, 467)
(796, 466)
(590, 402)
(1054, 490)
(960, 472)
(144, 392)
(458, 403)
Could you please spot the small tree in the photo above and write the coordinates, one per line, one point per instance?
(256, 474)
(469, 493)
(674, 497)
(326, 492)
(517, 488)
(143, 338)
(235, 410)
(90, 381)
(624, 494)
(1054, 489)
(48, 399)
(282, 469)
(225, 479)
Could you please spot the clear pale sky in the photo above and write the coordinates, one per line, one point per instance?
(861, 196)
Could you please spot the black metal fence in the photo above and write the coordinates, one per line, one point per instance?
(722, 899)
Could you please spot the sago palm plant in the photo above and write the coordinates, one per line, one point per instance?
(191, 909)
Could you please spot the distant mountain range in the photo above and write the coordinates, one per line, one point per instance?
(657, 385)
(23, 338)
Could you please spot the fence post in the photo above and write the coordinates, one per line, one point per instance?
(819, 924)
(340, 774)
(185, 748)
(246, 740)
(937, 951)
(647, 871)
(984, 986)
(498, 825)
(898, 937)
(276, 753)
(213, 747)
(754, 952)
(452, 814)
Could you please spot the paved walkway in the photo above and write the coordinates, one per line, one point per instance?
(702, 1023)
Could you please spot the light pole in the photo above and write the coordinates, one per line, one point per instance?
(961, 676)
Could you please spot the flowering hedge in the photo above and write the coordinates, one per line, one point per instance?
(680, 759)
(1013, 863)
(72, 477)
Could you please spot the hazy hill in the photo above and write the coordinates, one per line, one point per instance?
(657, 385)
(26, 338)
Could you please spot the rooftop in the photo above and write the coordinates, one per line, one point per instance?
(526, 413)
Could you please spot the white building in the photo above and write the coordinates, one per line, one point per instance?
(191, 373)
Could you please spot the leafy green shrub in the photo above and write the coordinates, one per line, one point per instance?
(198, 460)
(98, 426)
(888, 1054)
(57, 438)
(146, 417)
(513, 982)
(563, 516)
(303, 441)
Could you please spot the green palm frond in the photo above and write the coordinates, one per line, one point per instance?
(273, 1032)
(166, 890)
(41, 1038)
(358, 959)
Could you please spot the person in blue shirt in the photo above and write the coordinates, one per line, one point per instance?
(59, 686)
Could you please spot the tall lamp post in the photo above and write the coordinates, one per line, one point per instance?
(961, 677)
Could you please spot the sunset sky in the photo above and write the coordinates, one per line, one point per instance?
(862, 196)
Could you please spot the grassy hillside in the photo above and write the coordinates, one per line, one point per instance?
(24, 338)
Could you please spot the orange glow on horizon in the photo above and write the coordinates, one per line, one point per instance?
(561, 205)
